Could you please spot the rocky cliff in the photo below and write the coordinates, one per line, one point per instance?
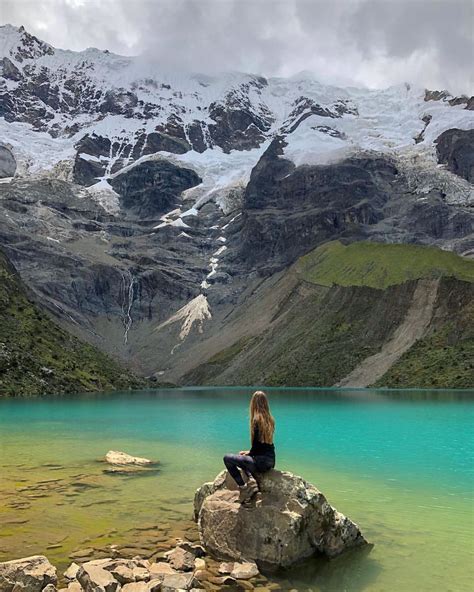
(148, 212)
(37, 356)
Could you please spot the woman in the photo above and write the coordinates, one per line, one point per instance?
(261, 457)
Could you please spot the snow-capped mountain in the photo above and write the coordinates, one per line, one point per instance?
(165, 195)
(138, 111)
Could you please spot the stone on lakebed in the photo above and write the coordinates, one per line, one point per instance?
(289, 521)
(116, 457)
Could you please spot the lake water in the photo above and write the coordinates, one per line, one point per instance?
(399, 463)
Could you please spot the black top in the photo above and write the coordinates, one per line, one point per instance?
(261, 448)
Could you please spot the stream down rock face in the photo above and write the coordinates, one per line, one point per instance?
(31, 574)
(290, 521)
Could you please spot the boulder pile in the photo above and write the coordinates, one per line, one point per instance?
(184, 567)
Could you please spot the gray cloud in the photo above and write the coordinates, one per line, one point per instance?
(373, 43)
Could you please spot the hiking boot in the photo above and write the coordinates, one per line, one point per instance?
(248, 491)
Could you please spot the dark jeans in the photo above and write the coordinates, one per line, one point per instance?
(250, 465)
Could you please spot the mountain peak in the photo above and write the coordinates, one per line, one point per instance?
(20, 45)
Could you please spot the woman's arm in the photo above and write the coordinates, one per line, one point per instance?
(244, 452)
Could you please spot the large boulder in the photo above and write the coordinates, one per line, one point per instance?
(31, 574)
(290, 521)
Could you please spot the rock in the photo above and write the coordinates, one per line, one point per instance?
(157, 141)
(141, 574)
(49, 588)
(82, 553)
(245, 585)
(244, 571)
(123, 574)
(199, 563)
(115, 457)
(7, 163)
(225, 568)
(160, 570)
(94, 578)
(31, 574)
(142, 587)
(291, 521)
(128, 469)
(174, 582)
(104, 562)
(455, 149)
(153, 187)
(71, 571)
(140, 562)
(135, 587)
(9, 70)
(237, 128)
(221, 580)
(119, 102)
(341, 199)
(74, 587)
(181, 559)
(195, 549)
(208, 489)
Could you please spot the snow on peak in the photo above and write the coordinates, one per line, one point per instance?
(222, 123)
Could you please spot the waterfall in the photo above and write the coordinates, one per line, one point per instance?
(128, 300)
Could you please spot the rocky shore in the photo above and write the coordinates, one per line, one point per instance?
(226, 547)
(184, 567)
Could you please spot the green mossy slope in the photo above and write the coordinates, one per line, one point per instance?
(379, 265)
(38, 357)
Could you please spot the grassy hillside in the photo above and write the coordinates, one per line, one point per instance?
(316, 340)
(379, 265)
(347, 305)
(38, 357)
(444, 358)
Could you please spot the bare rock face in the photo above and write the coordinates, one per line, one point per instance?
(7, 163)
(31, 574)
(455, 149)
(153, 187)
(290, 521)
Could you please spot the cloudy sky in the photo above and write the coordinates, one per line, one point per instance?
(372, 43)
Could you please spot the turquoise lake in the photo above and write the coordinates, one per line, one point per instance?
(399, 463)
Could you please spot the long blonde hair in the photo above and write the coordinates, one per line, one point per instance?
(260, 416)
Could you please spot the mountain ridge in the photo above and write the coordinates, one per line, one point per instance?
(143, 211)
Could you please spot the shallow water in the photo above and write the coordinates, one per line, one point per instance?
(399, 463)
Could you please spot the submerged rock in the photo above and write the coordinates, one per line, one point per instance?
(31, 574)
(290, 520)
(115, 457)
